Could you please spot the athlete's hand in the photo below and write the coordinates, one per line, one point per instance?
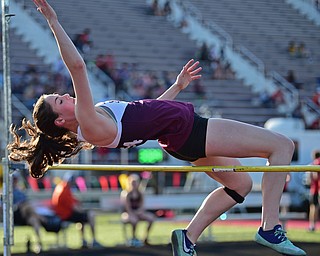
(46, 10)
(188, 73)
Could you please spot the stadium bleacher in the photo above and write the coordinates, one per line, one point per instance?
(132, 35)
(266, 27)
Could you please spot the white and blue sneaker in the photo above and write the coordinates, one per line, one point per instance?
(181, 245)
(276, 239)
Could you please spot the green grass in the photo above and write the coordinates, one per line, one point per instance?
(110, 233)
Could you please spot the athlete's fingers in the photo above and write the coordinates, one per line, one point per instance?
(188, 65)
(194, 72)
(194, 66)
(195, 77)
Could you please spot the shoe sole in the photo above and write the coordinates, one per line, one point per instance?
(174, 240)
(261, 241)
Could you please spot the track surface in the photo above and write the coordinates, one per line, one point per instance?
(203, 249)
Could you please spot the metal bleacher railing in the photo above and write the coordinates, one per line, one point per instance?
(291, 94)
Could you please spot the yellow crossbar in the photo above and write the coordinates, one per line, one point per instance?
(165, 168)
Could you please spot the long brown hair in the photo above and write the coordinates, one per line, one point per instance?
(48, 143)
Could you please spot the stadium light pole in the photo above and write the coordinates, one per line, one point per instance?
(7, 197)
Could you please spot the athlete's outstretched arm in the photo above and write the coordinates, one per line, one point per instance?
(72, 59)
(188, 73)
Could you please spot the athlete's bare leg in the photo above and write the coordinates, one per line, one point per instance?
(218, 201)
(234, 139)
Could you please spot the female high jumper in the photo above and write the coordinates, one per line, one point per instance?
(63, 125)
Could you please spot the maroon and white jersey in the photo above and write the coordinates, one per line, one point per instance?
(169, 122)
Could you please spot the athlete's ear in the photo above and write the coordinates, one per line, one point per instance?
(59, 121)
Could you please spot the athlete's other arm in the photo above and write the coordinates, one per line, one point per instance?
(188, 73)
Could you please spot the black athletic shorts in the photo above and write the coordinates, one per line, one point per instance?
(314, 199)
(18, 218)
(195, 146)
(76, 216)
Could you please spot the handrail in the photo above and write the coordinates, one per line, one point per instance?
(312, 106)
(194, 12)
(291, 93)
(253, 58)
(224, 34)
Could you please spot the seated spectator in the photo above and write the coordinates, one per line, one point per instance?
(265, 99)
(156, 10)
(277, 97)
(167, 8)
(291, 78)
(106, 63)
(316, 97)
(184, 24)
(302, 51)
(24, 212)
(134, 212)
(204, 53)
(292, 48)
(229, 74)
(83, 41)
(199, 89)
(68, 208)
(217, 70)
(100, 62)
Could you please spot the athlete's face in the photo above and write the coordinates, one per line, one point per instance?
(63, 105)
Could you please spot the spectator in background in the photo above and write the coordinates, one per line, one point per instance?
(167, 8)
(204, 53)
(222, 53)
(314, 194)
(155, 8)
(83, 41)
(213, 53)
(24, 212)
(229, 74)
(217, 70)
(184, 24)
(199, 90)
(292, 48)
(316, 97)
(106, 63)
(291, 78)
(68, 208)
(277, 97)
(123, 77)
(302, 51)
(264, 99)
(134, 212)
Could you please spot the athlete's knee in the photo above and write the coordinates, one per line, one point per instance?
(244, 185)
(285, 145)
(243, 188)
(234, 195)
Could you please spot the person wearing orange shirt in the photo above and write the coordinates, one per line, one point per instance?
(67, 207)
